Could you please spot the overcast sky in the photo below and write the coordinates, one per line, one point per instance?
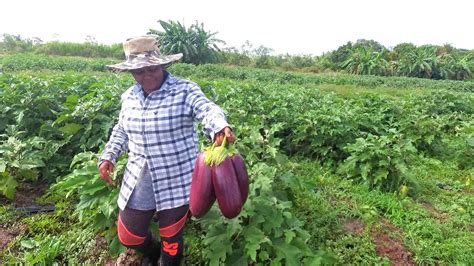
(294, 27)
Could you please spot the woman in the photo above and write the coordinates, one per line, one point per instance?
(156, 127)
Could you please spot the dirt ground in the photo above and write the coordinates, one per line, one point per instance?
(26, 194)
(5, 238)
(353, 226)
(388, 240)
(127, 258)
(441, 217)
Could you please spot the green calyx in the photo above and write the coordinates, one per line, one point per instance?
(215, 155)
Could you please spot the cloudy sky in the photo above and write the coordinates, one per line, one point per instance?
(294, 27)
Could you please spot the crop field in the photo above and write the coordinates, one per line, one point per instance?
(344, 169)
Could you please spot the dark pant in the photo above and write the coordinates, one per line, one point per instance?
(134, 232)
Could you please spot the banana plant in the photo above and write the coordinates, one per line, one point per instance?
(197, 45)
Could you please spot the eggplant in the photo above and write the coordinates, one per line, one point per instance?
(227, 189)
(242, 175)
(202, 194)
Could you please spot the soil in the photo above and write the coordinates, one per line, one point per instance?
(128, 258)
(26, 194)
(5, 238)
(435, 213)
(7, 234)
(353, 226)
(388, 240)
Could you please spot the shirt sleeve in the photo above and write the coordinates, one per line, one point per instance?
(118, 142)
(211, 116)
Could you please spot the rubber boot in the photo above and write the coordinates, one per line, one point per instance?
(167, 260)
(151, 254)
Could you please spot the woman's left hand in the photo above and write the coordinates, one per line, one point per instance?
(219, 137)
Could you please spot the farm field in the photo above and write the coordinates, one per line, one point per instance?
(344, 169)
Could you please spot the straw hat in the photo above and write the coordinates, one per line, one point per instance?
(143, 52)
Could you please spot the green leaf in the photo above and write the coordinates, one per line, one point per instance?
(29, 174)
(253, 238)
(263, 255)
(71, 182)
(272, 151)
(28, 243)
(70, 128)
(289, 235)
(237, 260)
(380, 175)
(3, 166)
(115, 247)
(86, 201)
(71, 100)
(219, 244)
(8, 186)
(290, 253)
(92, 188)
(470, 142)
(364, 170)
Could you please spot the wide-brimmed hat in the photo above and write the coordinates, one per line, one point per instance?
(143, 52)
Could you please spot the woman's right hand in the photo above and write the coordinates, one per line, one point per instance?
(105, 169)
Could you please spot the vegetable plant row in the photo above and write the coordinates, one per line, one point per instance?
(39, 62)
(370, 138)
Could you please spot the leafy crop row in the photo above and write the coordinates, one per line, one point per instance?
(17, 62)
(40, 62)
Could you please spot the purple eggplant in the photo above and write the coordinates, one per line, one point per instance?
(242, 175)
(227, 189)
(202, 194)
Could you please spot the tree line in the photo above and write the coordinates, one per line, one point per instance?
(200, 46)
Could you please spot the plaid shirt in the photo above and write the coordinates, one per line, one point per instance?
(160, 131)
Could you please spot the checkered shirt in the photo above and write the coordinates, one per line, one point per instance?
(160, 130)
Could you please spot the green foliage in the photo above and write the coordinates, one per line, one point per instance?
(15, 43)
(22, 159)
(97, 208)
(43, 245)
(364, 57)
(43, 123)
(197, 45)
(346, 51)
(265, 232)
(427, 61)
(366, 61)
(39, 62)
(232, 56)
(380, 161)
(353, 249)
(292, 216)
(88, 49)
(291, 78)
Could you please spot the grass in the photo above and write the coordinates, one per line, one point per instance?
(350, 91)
(430, 239)
(48, 238)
